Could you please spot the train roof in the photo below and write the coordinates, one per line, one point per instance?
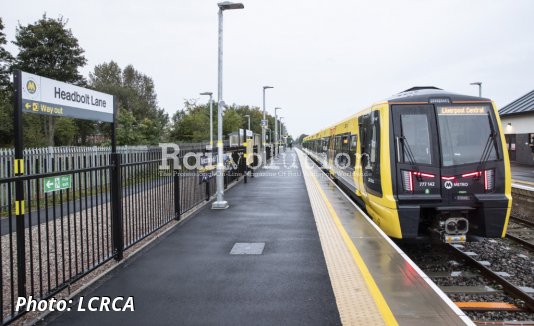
(432, 94)
(418, 95)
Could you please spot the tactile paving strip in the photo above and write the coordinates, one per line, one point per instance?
(354, 301)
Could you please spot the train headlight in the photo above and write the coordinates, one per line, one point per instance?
(450, 227)
(407, 180)
(489, 180)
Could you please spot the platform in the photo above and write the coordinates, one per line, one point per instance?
(522, 173)
(522, 176)
(290, 250)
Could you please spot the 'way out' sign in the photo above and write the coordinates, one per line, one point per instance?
(57, 183)
(46, 96)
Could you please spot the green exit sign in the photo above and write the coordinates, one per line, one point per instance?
(57, 183)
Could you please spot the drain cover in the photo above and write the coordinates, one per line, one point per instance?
(248, 248)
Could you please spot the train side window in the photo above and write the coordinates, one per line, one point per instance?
(353, 142)
(346, 143)
(352, 149)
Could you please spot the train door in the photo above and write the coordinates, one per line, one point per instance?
(370, 152)
(331, 149)
(417, 165)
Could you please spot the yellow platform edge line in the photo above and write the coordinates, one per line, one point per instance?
(380, 302)
(523, 182)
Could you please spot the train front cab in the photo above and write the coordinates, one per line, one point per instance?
(449, 172)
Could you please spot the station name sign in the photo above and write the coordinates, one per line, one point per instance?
(45, 96)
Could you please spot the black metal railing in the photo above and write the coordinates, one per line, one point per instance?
(70, 231)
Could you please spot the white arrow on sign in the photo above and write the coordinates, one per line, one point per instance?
(49, 184)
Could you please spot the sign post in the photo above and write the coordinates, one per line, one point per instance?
(19, 185)
(48, 97)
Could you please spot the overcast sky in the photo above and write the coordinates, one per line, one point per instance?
(326, 59)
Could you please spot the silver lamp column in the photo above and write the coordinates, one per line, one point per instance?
(220, 203)
(248, 116)
(211, 117)
(479, 84)
(276, 149)
(281, 127)
(264, 126)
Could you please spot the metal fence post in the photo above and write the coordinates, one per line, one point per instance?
(207, 182)
(177, 196)
(18, 168)
(116, 211)
(116, 200)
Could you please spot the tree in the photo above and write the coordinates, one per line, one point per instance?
(6, 107)
(191, 124)
(232, 121)
(6, 60)
(136, 94)
(301, 138)
(47, 48)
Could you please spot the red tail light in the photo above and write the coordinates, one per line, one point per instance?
(424, 175)
(472, 174)
(407, 178)
(447, 178)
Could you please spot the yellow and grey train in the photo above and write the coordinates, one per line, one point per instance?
(423, 162)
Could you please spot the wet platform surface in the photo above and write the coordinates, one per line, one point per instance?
(267, 260)
(189, 277)
(410, 295)
(521, 172)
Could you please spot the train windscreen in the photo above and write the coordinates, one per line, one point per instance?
(464, 133)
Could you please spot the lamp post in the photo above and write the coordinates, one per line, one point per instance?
(248, 116)
(264, 124)
(210, 94)
(281, 127)
(479, 84)
(276, 131)
(220, 203)
(270, 136)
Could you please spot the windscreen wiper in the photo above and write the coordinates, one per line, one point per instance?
(411, 157)
(490, 144)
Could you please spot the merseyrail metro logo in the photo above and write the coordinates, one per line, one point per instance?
(31, 86)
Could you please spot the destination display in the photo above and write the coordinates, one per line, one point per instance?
(45, 96)
(462, 110)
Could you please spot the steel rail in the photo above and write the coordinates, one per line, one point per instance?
(508, 287)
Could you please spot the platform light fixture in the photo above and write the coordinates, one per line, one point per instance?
(248, 116)
(276, 131)
(263, 125)
(479, 84)
(220, 203)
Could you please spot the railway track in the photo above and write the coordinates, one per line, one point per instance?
(485, 295)
(522, 232)
(513, 290)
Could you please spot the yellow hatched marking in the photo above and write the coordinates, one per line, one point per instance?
(523, 182)
(19, 207)
(358, 298)
(18, 166)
